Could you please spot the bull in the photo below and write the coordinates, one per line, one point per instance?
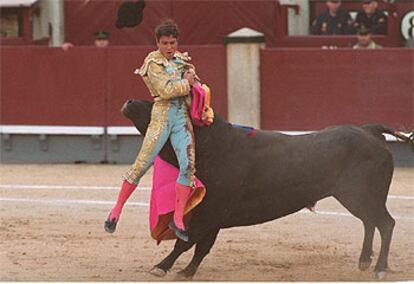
(252, 180)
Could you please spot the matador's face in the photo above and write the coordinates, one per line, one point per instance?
(167, 46)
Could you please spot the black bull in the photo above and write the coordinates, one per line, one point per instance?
(251, 180)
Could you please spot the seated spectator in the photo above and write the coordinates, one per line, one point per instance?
(334, 21)
(365, 39)
(101, 39)
(372, 17)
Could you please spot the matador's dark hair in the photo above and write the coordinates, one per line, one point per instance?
(166, 28)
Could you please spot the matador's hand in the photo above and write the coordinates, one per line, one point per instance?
(190, 77)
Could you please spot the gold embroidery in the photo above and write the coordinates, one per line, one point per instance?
(163, 79)
(191, 151)
(159, 120)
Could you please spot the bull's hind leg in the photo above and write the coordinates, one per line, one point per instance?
(161, 268)
(201, 250)
(373, 213)
(385, 225)
(366, 254)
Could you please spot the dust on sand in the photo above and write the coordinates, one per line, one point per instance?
(56, 234)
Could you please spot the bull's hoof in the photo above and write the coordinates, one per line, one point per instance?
(110, 225)
(364, 265)
(380, 275)
(156, 271)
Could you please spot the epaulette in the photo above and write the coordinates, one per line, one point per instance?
(158, 58)
(182, 55)
(154, 56)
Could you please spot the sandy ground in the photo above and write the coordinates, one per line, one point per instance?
(55, 233)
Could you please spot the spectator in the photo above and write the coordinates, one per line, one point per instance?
(365, 39)
(372, 18)
(334, 21)
(101, 39)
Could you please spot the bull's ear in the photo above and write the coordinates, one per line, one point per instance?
(130, 14)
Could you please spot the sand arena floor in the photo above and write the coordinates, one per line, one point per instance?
(51, 229)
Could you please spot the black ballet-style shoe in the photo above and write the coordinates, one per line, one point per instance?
(181, 234)
(110, 225)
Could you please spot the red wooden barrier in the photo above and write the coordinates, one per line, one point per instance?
(123, 84)
(87, 86)
(210, 62)
(309, 89)
(302, 89)
(46, 86)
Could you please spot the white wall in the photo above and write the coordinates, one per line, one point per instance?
(243, 78)
(298, 24)
(51, 13)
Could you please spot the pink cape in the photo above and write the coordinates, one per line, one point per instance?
(162, 202)
(199, 105)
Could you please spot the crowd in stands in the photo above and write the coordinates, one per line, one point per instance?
(337, 21)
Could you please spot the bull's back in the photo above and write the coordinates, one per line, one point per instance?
(295, 171)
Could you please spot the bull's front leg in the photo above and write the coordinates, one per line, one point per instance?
(161, 268)
(201, 250)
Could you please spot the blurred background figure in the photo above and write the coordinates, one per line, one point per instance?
(364, 36)
(334, 21)
(101, 39)
(372, 17)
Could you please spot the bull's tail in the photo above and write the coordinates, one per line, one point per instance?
(378, 129)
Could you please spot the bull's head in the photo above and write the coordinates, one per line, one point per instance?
(139, 112)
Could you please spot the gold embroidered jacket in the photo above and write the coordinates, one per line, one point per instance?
(164, 78)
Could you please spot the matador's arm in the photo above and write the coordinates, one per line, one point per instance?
(165, 86)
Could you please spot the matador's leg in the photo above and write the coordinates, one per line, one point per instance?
(155, 138)
(153, 142)
(182, 140)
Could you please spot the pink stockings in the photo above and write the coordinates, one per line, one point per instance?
(124, 194)
(182, 194)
